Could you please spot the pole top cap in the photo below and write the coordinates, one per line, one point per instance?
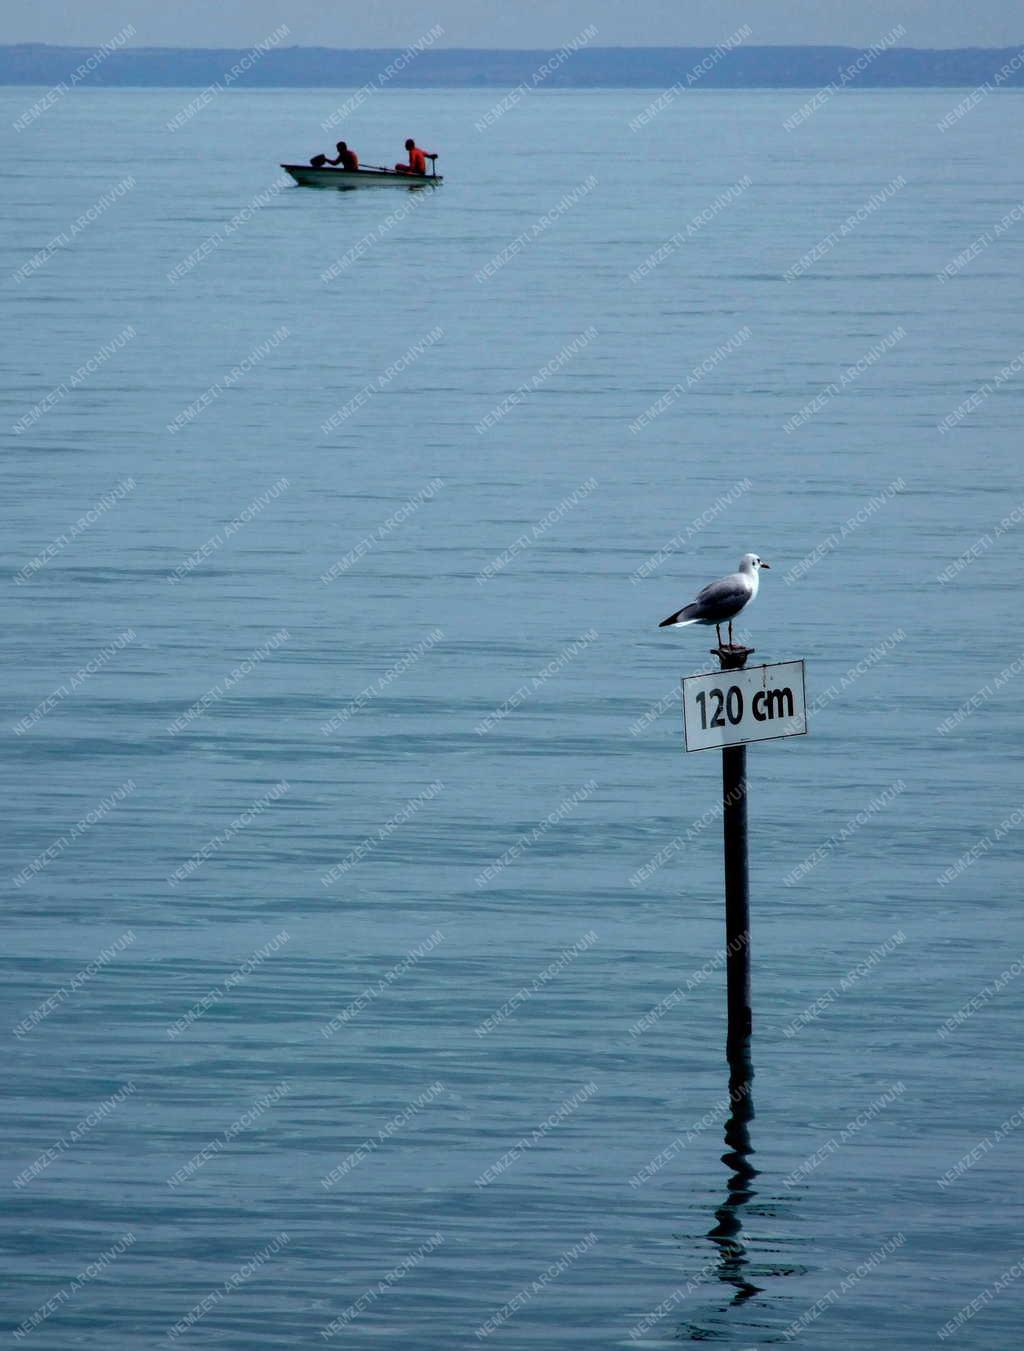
(733, 657)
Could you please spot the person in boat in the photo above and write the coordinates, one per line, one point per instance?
(348, 159)
(417, 160)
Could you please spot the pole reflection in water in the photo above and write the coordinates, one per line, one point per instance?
(727, 1234)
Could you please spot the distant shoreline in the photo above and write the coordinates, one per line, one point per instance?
(732, 65)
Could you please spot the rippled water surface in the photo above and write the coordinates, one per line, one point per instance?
(350, 834)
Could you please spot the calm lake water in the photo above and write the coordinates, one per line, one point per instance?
(350, 833)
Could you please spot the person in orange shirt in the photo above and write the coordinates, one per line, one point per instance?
(348, 159)
(417, 160)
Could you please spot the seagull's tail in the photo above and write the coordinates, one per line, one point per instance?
(687, 615)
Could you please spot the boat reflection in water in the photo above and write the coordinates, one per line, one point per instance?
(727, 1234)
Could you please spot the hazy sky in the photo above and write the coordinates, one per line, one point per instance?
(513, 23)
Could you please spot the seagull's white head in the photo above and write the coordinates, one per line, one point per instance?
(751, 563)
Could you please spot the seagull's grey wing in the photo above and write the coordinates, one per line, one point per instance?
(723, 599)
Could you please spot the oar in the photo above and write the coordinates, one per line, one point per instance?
(385, 170)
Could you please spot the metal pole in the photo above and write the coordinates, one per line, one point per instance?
(737, 887)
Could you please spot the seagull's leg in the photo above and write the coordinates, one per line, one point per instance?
(730, 633)
(718, 631)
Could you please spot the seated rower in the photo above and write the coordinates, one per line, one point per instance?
(417, 160)
(348, 159)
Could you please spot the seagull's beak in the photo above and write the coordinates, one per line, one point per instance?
(764, 564)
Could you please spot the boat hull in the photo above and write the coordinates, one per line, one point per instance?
(342, 179)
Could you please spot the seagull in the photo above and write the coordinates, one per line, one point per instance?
(721, 600)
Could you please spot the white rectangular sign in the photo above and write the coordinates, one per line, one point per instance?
(730, 708)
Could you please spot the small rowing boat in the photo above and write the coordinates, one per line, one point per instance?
(310, 176)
